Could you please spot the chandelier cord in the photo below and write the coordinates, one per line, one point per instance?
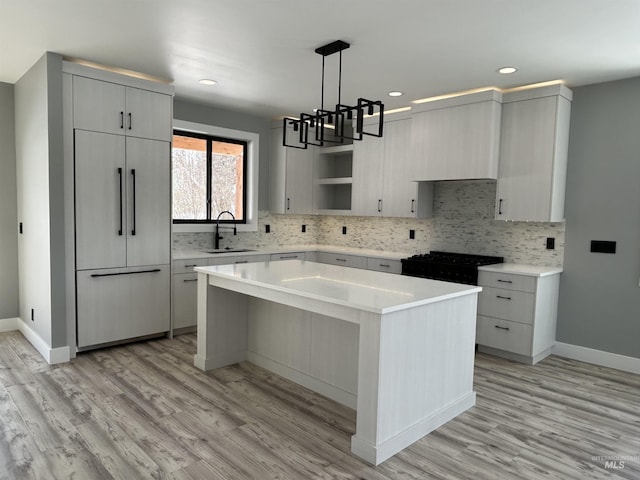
(322, 90)
(339, 79)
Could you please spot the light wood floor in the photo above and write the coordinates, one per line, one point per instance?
(143, 411)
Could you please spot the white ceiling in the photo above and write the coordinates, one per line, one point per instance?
(262, 51)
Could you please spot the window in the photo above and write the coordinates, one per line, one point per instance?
(209, 177)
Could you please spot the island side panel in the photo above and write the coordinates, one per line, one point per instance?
(313, 350)
(425, 375)
(222, 326)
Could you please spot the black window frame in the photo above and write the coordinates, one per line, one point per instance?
(209, 201)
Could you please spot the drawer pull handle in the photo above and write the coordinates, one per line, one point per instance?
(503, 298)
(386, 265)
(288, 257)
(241, 261)
(501, 328)
(191, 280)
(95, 275)
(505, 281)
(341, 259)
(189, 266)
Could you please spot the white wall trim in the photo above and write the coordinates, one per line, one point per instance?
(9, 324)
(51, 355)
(597, 357)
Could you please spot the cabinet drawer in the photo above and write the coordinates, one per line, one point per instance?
(353, 261)
(522, 283)
(186, 265)
(384, 265)
(506, 304)
(504, 335)
(287, 256)
(230, 259)
(184, 300)
(122, 303)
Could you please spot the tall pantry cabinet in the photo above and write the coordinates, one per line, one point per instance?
(122, 205)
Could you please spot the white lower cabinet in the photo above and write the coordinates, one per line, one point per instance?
(354, 261)
(184, 287)
(287, 256)
(185, 297)
(120, 303)
(517, 311)
(384, 265)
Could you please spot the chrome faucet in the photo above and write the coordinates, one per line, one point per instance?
(217, 237)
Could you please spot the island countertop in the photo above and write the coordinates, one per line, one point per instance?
(371, 291)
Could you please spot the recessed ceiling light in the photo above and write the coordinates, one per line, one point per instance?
(507, 70)
(395, 94)
(208, 81)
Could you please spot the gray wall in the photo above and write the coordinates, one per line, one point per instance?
(192, 112)
(9, 303)
(40, 189)
(599, 294)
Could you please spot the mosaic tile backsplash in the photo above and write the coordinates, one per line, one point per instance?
(462, 222)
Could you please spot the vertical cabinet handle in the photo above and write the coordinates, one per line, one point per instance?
(120, 178)
(379, 205)
(133, 208)
(129, 120)
(500, 207)
(288, 203)
(413, 205)
(121, 119)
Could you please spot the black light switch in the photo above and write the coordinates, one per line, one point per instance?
(267, 228)
(412, 234)
(603, 246)
(551, 243)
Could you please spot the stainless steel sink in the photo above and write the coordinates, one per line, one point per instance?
(231, 250)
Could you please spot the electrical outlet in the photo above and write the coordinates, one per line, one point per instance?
(344, 230)
(551, 243)
(304, 228)
(267, 228)
(412, 234)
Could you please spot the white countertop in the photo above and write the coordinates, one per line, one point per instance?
(184, 254)
(366, 290)
(521, 269)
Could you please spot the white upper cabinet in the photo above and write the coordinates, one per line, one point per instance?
(382, 183)
(102, 106)
(368, 172)
(533, 154)
(290, 177)
(456, 138)
(403, 197)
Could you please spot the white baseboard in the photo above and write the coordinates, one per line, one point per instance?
(597, 357)
(312, 383)
(9, 324)
(51, 355)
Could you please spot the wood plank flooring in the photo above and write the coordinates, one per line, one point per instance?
(142, 411)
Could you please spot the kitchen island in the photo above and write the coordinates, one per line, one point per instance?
(409, 342)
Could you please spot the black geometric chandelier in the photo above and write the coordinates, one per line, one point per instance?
(310, 128)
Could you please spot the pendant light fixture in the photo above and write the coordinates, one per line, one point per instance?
(310, 128)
